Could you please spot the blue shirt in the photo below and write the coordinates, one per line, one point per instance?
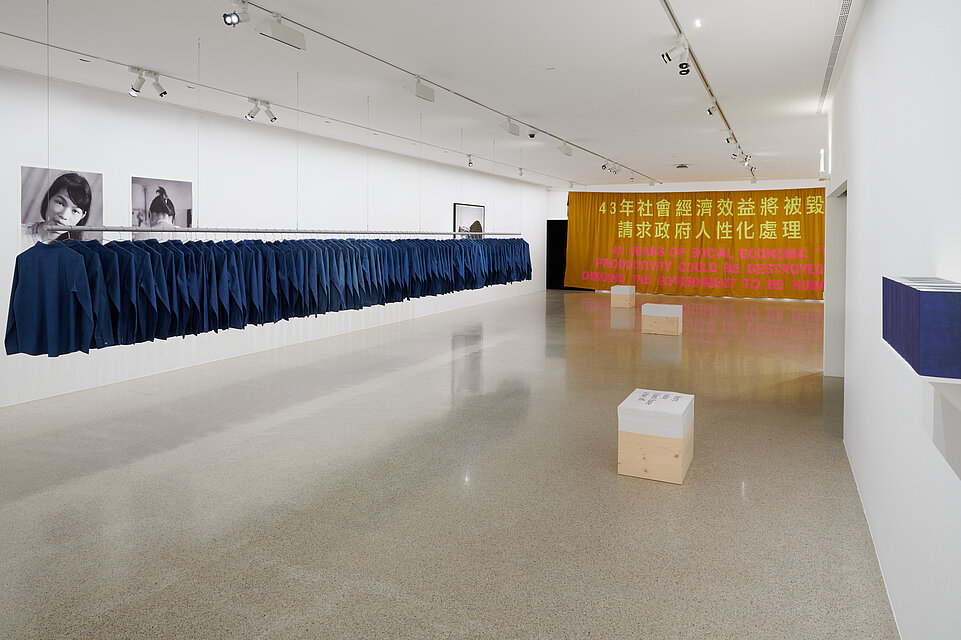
(50, 307)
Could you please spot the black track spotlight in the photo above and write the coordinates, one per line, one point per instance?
(238, 15)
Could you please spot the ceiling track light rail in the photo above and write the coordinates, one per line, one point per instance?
(326, 118)
(510, 119)
(682, 51)
(242, 6)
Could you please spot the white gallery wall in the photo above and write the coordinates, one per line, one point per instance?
(895, 140)
(245, 175)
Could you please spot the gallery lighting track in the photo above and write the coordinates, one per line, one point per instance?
(420, 79)
(89, 57)
(329, 119)
(683, 48)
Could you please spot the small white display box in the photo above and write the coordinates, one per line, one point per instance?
(655, 435)
(665, 319)
(622, 296)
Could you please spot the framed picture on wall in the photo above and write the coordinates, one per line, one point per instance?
(158, 204)
(59, 197)
(468, 218)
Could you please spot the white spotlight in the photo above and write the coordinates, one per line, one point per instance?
(470, 160)
(711, 110)
(676, 50)
(651, 183)
(270, 114)
(238, 15)
(566, 149)
(510, 127)
(420, 89)
(138, 83)
(730, 137)
(161, 92)
(254, 110)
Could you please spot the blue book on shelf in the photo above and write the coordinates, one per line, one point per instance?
(922, 322)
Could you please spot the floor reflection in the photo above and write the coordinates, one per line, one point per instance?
(451, 476)
(738, 348)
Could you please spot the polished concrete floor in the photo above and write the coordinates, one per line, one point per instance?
(447, 477)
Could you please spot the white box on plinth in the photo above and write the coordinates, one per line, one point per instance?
(622, 296)
(655, 435)
(666, 319)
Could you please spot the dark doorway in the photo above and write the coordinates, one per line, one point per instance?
(557, 254)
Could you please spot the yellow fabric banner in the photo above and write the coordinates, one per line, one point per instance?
(746, 244)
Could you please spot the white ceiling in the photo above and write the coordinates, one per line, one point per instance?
(589, 73)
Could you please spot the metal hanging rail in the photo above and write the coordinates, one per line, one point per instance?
(316, 232)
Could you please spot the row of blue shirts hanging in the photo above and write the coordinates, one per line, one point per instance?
(76, 296)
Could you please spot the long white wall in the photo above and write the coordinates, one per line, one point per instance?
(245, 175)
(895, 140)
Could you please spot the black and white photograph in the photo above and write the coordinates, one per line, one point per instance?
(468, 218)
(158, 205)
(58, 197)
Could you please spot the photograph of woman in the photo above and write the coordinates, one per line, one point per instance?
(162, 207)
(54, 198)
(152, 205)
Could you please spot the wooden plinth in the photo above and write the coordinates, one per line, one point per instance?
(664, 325)
(655, 457)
